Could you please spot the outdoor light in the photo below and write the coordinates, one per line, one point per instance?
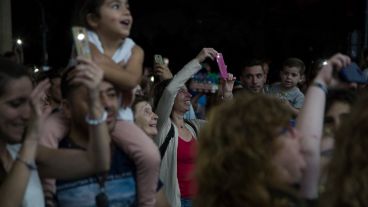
(152, 79)
(36, 70)
(19, 41)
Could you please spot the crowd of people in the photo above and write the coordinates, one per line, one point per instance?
(99, 133)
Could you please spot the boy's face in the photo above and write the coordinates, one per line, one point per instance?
(290, 77)
(114, 19)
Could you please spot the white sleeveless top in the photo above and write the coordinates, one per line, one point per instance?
(34, 194)
(123, 53)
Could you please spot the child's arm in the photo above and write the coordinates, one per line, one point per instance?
(123, 75)
(294, 110)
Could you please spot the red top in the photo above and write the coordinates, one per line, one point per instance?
(186, 160)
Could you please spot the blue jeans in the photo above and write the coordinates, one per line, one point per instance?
(186, 202)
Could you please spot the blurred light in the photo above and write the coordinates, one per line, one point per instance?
(80, 36)
(35, 69)
(152, 79)
(45, 68)
(325, 62)
(19, 41)
(166, 61)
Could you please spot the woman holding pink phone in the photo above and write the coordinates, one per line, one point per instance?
(177, 138)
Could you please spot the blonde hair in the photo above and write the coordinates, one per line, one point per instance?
(235, 149)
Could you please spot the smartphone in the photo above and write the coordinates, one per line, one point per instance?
(81, 41)
(158, 59)
(352, 74)
(221, 64)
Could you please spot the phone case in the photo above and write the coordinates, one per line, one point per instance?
(158, 59)
(221, 65)
(352, 74)
(81, 41)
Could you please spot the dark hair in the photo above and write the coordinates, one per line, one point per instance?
(251, 63)
(340, 95)
(158, 89)
(294, 62)
(50, 74)
(65, 86)
(85, 7)
(10, 71)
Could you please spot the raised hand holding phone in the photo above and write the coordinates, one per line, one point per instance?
(221, 64)
(81, 42)
(159, 60)
(352, 74)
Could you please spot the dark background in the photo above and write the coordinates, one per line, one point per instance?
(178, 29)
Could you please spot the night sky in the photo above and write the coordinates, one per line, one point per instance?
(241, 30)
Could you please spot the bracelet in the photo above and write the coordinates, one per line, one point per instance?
(97, 121)
(27, 164)
(320, 86)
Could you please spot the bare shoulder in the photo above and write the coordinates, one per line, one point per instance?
(137, 50)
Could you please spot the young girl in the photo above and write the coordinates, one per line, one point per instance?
(109, 23)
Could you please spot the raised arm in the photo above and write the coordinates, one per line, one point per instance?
(167, 99)
(162, 71)
(123, 75)
(67, 164)
(225, 92)
(310, 123)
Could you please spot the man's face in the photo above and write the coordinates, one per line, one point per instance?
(78, 108)
(110, 101)
(253, 78)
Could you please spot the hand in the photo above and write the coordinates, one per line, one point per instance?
(162, 71)
(206, 53)
(88, 74)
(228, 83)
(336, 62)
(38, 115)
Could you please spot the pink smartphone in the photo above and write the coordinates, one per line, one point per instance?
(221, 65)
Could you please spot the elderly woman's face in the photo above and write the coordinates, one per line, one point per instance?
(15, 109)
(145, 118)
